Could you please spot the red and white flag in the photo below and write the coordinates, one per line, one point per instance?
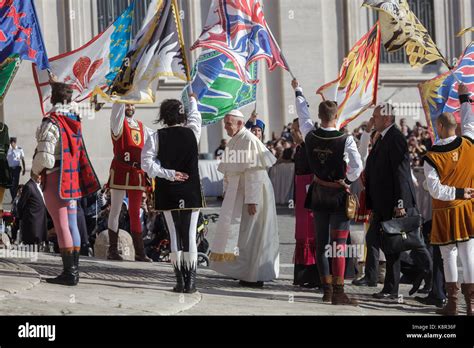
(355, 90)
(238, 29)
(94, 65)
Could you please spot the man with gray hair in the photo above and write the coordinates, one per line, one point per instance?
(390, 193)
(246, 243)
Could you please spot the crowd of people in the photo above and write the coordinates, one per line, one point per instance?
(154, 180)
(283, 146)
(376, 162)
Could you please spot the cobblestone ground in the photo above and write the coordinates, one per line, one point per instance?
(130, 288)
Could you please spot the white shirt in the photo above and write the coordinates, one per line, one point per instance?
(117, 118)
(150, 164)
(351, 154)
(386, 130)
(40, 189)
(15, 156)
(364, 146)
(433, 183)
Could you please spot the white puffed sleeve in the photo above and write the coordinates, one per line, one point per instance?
(47, 150)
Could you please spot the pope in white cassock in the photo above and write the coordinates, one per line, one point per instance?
(246, 243)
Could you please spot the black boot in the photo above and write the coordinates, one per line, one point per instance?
(70, 274)
(190, 281)
(179, 280)
(76, 254)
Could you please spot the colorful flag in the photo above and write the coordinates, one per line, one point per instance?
(8, 71)
(158, 50)
(401, 28)
(218, 86)
(440, 94)
(91, 67)
(20, 32)
(355, 90)
(238, 29)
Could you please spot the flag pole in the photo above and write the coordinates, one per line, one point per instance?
(256, 91)
(181, 39)
(450, 68)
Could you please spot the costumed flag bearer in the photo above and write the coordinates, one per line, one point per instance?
(449, 172)
(127, 177)
(170, 156)
(62, 162)
(335, 162)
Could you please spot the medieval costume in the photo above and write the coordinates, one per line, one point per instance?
(332, 156)
(170, 150)
(67, 174)
(305, 271)
(246, 246)
(449, 168)
(126, 178)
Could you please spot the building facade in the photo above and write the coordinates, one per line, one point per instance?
(315, 36)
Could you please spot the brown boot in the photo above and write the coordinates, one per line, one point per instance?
(468, 292)
(326, 283)
(338, 296)
(451, 307)
(139, 248)
(113, 253)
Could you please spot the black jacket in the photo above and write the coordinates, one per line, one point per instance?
(32, 214)
(388, 175)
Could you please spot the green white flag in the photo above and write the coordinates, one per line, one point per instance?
(218, 86)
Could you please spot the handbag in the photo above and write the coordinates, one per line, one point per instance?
(352, 205)
(402, 234)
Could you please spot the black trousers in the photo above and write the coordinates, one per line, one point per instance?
(373, 243)
(393, 266)
(16, 171)
(437, 289)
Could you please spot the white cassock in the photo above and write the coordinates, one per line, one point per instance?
(246, 247)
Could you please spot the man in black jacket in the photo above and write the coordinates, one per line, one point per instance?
(390, 193)
(32, 213)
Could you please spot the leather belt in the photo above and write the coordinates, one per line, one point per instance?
(330, 184)
(136, 165)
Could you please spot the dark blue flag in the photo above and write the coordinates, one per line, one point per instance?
(20, 32)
